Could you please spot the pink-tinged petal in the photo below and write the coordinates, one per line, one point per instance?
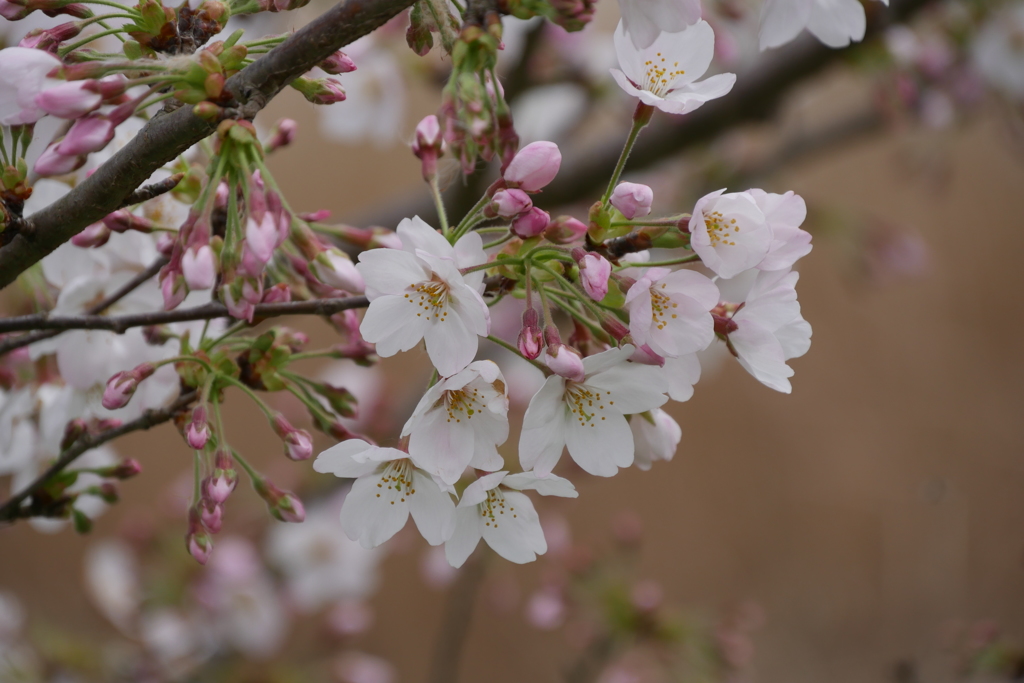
(690, 51)
(631, 60)
(695, 285)
(682, 373)
(795, 338)
(640, 307)
(392, 325)
(450, 344)
(692, 330)
(417, 234)
(782, 21)
(465, 538)
(548, 485)
(623, 81)
(633, 388)
(645, 20)
(601, 447)
(543, 435)
(339, 460)
(695, 94)
(469, 251)
(372, 514)
(389, 271)
(470, 307)
(516, 533)
(432, 509)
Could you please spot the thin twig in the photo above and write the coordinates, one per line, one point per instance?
(147, 192)
(12, 509)
(8, 345)
(210, 311)
(458, 613)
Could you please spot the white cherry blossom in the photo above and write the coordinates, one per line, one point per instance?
(494, 508)
(645, 20)
(656, 436)
(388, 487)
(664, 74)
(681, 374)
(669, 311)
(459, 422)
(729, 232)
(589, 416)
(784, 214)
(418, 293)
(763, 325)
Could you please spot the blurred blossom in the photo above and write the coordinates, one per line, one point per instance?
(375, 108)
(112, 581)
(12, 617)
(358, 667)
(350, 617)
(319, 562)
(891, 253)
(998, 50)
(545, 609)
(647, 595)
(549, 112)
(434, 568)
(557, 533)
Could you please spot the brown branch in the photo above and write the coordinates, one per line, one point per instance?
(168, 135)
(8, 345)
(210, 311)
(12, 509)
(152, 190)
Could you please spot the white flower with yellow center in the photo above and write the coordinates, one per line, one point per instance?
(493, 508)
(670, 311)
(418, 293)
(459, 422)
(588, 416)
(388, 487)
(729, 232)
(663, 74)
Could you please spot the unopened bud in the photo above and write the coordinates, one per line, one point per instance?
(565, 362)
(282, 135)
(298, 444)
(534, 166)
(565, 230)
(198, 432)
(283, 505)
(530, 340)
(338, 63)
(531, 223)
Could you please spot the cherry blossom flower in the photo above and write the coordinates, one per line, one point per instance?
(784, 214)
(670, 311)
(833, 22)
(388, 487)
(632, 199)
(764, 329)
(656, 436)
(664, 74)
(22, 77)
(494, 508)
(418, 294)
(645, 20)
(681, 374)
(459, 422)
(729, 232)
(587, 416)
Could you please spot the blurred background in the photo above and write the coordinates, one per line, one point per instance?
(868, 527)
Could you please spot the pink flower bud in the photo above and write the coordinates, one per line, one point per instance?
(12, 12)
(565, 230)
(298, 444)
(95, 235)
(530, 340)
(283, 135)
(509, 203)
(47, 40)
(534, 166)
(199, 266)
(218, 486)
(198, 432)
(632, 199)
(69, 100)
(51, 162)
(428, 145)
(261, 237)
(531, 223)
(237, 306)
(283, 505)
(338, 63)
(594, 273)
(565, 362)
(197, 539)
(278, 294)
(220, 198)
(173, 287)
(335, 269)
(212, 515)
(121, 387)
(124, 220)
(320, 90)
(88, 134)
(646, 356)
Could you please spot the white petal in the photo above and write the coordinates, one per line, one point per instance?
(631, 387)
(516, 533)
(543, 434)
(441, 446)
(373, 513)
(600, 448)
(417, 234)
(450, 344)
(392, 325)
(476, 492)
(606, 359)
(338, 460)
(837, 22)
(389, 271)
(760, 354)
(682, 374)
(465, 538)
(782, 21)
(546, 485)
(432, 509)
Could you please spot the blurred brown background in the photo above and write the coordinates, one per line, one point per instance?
(879, 501)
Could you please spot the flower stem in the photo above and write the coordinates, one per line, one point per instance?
(640, 119)
(513, 349)
(671, 262)
(442, 215)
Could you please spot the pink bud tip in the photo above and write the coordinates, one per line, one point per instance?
(632, 199)
(119, 390)
(534, 166)
(594, 273)
(565, 362)
(531, 223)
(511, 202)
(565, 230)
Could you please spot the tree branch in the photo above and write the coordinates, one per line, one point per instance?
(168, 135)
(120, 323)
(12, 510)
(458, 613)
